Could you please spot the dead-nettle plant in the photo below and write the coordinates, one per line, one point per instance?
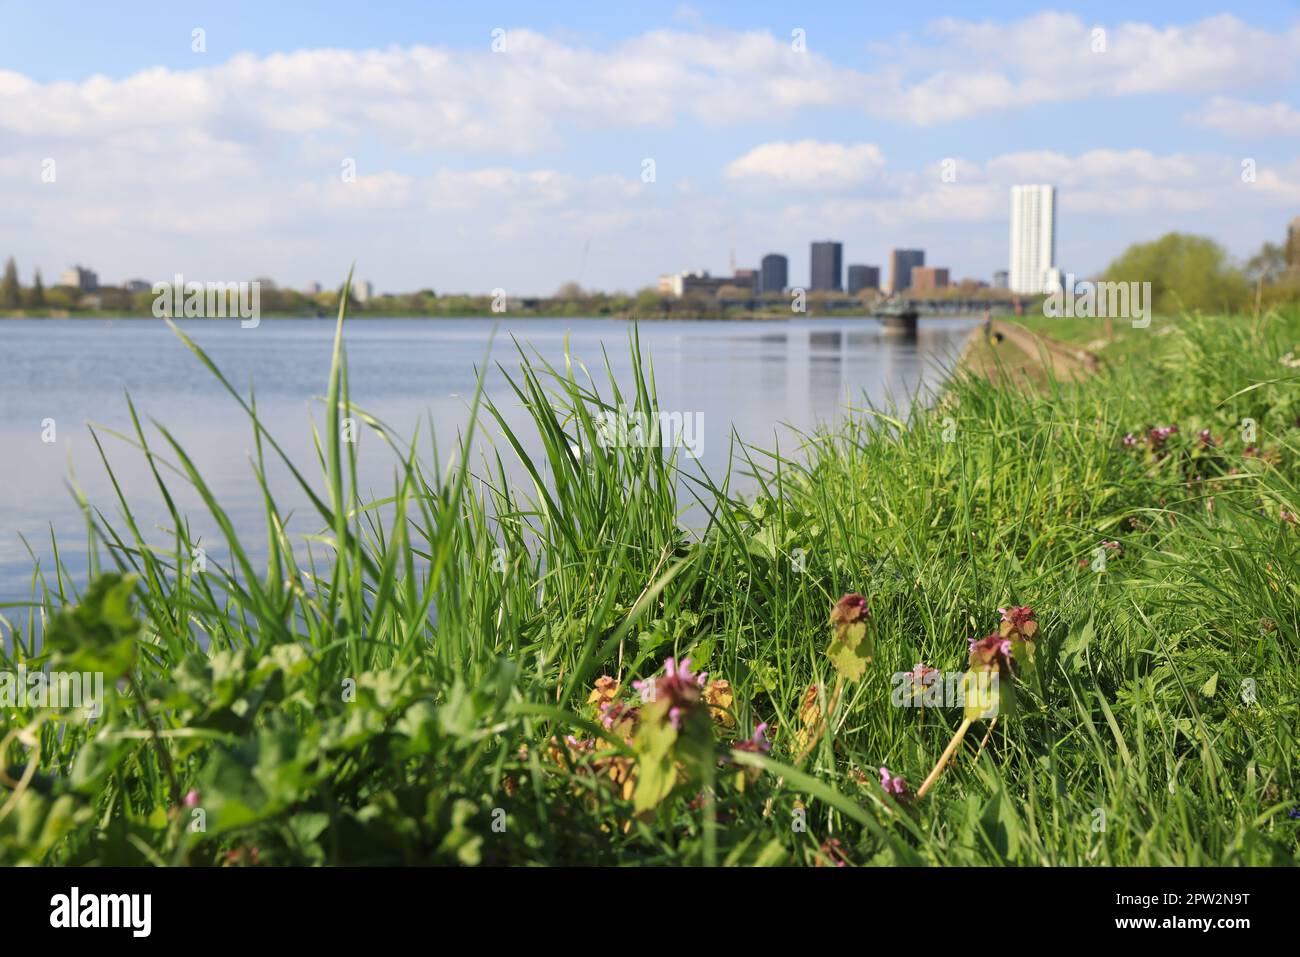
(988, 689)
(986, 692)
(851, 649)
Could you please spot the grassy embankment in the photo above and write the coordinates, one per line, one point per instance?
(409, 694)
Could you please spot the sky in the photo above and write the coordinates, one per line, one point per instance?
(519, 146)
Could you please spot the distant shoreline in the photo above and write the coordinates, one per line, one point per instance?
(361, 316)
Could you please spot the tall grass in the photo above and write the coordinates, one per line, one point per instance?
(397, 687)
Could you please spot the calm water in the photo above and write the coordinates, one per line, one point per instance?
(759, 377)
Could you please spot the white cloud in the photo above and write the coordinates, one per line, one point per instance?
(1241, 118)
(807, 164)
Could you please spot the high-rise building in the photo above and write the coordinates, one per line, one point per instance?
(363, 291)
(774, 274)
(929, 278)
(1000, 278)
(1033, 237)
(827, 266)
(87, 280)
(901, 264)
(862, 278)
(1293, 244)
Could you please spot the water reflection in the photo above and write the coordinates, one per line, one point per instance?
(753, 376)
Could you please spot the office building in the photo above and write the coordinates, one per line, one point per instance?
(1033, 238)
(774, 274)
(745, 279)
(1000, 278)
(901, 264)
(87, 280)
(863, 278)
(929, 278)
(827, 267)
(698, 280)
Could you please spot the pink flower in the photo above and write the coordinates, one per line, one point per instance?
(758, 744)
(1130, 440)
(192, 798)
(1206, 437)
(991, 651)
(894, 784)
(678, 687)
(920, 673)
(1160, 434)
(1017, 615)
(849, 609)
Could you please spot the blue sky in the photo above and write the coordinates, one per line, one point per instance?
(524, 168)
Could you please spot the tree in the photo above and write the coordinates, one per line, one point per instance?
(37, 297)
(1185, 272)
(1269, 265)
(11, 296)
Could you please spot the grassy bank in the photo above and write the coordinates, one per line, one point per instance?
(449, 676)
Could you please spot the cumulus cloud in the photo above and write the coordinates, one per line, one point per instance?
(807, 164)
(1241, 118)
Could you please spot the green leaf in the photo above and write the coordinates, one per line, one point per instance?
(99, 633)
(851, 650)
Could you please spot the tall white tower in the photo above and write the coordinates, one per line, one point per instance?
(1033, 238)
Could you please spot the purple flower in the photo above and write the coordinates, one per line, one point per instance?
(1206, 437)
(1130, 440)
(894, 784)
(1160, 434)
(678, 687)
(991, 651)
(757, 744)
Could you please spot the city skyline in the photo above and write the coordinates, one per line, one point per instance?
(653, 140)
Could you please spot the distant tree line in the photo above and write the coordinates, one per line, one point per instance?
(1189, 272)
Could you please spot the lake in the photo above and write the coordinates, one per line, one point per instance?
(765, 379)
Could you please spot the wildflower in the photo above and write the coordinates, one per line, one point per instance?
(894, 784)
(849, 609)
(834, 851)
(1206, 437)
(605, 690)
(192, 798)
(991, 651)
(758, 743)
(920, 675)
(614, 713)
(678, 687)
(1249, 452)
(1160, 434)
(850, 648)
(1294, 814)
(1130, 440)
(1021, 617)
(720, 699)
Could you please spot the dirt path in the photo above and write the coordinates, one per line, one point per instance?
(1010, 352)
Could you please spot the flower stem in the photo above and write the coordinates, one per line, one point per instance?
(944, 758)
